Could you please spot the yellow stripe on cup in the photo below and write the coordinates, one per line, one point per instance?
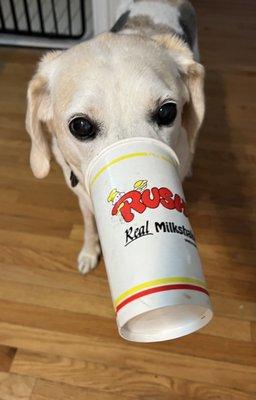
(126, 157)
(158, 282)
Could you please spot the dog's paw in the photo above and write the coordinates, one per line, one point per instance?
(88, 260)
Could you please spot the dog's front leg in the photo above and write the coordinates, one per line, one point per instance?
(90, 251)
(89, 254)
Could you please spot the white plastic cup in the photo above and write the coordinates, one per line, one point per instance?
(153, 266)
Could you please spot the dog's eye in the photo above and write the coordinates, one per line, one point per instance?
(166, 114)
(82, 128)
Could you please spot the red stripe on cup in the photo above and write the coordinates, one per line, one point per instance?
(178, 286)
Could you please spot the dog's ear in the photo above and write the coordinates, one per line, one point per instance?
(192, 74)
(39, 112)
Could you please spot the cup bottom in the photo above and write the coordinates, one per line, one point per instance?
(166, 323)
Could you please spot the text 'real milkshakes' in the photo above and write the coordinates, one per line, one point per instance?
(153, 266)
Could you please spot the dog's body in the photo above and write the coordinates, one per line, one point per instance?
(175, 17)
(116, 86)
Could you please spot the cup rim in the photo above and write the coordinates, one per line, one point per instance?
(125, 141)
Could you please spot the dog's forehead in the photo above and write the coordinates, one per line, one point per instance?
(110, 47)
(112, 64)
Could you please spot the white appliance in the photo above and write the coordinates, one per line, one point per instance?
(54, 23)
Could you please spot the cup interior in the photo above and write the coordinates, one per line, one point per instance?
(166, 323)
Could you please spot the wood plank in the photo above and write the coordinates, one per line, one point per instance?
(39, 213)
(23, 178)
(234, 376)
(15, 387)
(94, 376)
(253, 331)
(125, 382)
(232, 288)
(54, 245)
(234, 308)
(59, 195)
(96, 286)
(21, 56)
(76, 232)
(47, 390)
(238, 213)
(6, 357)
(197, 345)
(230, 256)
(17, 248)
(57, 299)
(30, 274)
(40, 258)
(43, 226)
(9, 195)
(229, 328)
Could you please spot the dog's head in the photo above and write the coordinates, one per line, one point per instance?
(109, 88)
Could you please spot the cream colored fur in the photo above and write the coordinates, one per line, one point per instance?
(115, 79)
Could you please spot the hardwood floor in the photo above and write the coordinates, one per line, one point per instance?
(58, 338)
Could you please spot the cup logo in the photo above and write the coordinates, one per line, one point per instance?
(141, 197)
